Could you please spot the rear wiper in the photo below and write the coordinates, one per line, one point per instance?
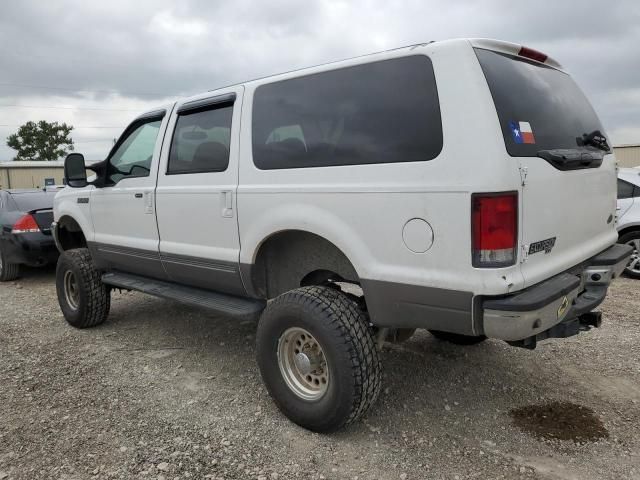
(594, 139)
(572, 159)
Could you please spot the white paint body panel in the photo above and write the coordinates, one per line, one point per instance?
(191, 208)
(119, 218)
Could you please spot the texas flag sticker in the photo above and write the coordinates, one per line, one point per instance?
(521, 132)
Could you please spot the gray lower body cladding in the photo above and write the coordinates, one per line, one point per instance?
(397, 305)
(192, 271)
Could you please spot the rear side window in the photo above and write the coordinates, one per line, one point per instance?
(539, 107)
(381, 112)
(201, 141)
(627, 190)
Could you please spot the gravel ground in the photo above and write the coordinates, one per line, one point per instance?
(164, 391)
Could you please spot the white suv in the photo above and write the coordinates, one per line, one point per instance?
(629, 216)
(463, 187)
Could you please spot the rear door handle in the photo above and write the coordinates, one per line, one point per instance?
(227, 204)
(138, 195)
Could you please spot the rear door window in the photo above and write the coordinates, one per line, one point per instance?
(201, 141)
(380, 112)
(539, 107)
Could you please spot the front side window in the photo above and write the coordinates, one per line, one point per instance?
(133, 156)
(380, 112)
(201, 141)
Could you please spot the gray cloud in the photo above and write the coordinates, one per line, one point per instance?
(133, 55)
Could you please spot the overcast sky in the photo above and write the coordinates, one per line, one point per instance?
(120, 58)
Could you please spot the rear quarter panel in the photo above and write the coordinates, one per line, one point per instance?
(363, 209)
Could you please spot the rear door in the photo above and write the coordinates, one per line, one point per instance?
(567, 207)
(196, 193)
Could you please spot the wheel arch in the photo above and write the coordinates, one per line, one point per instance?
(292, 258)
(629, 229)
(69, 234)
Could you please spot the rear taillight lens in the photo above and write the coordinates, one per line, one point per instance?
(25, 224)
(494, 229)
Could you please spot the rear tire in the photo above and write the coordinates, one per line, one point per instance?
(83, 298)
(457, 338)
(318, 358)
(632, 270)
(8, 271)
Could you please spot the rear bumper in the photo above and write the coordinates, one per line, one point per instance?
(531, 314)
(33, 249)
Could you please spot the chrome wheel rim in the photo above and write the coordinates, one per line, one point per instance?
(303, 364)
(634, 263)
(71, 290)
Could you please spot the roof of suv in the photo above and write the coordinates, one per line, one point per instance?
(508, 48)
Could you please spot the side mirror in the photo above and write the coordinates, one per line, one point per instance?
(75, 171)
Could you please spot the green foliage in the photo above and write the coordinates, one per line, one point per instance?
(41, 141)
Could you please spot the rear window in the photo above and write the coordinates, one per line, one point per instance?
(539, 107)
(33, 201)
(381, 112)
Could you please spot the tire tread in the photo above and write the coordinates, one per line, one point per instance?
(350, 327)
(98, 298)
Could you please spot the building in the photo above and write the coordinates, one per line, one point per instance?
(31, 174)
(628, 155)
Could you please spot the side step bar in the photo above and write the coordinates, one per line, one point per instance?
(219, 302)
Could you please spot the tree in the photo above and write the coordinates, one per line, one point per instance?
(41, 141)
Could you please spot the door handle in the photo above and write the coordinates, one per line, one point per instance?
(138, 195)
(227, 204)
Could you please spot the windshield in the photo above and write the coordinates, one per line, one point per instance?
(539, 107)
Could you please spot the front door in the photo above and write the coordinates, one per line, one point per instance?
(196, 194)
(123, 212)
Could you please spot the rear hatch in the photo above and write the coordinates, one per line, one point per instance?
(553, 135)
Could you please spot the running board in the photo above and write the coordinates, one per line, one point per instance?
(219, 302)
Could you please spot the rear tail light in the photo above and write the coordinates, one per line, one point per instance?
(25, 224)
(494, 229)
(532, 54)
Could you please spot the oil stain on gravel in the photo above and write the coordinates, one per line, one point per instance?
(560, 421)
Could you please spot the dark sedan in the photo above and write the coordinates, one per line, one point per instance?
(25, 230)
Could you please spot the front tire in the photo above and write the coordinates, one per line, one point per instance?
(83, 298)
(8, 271)
(633, 268)
(318, 358)
(457, 338)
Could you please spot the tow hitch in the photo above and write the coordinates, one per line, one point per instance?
(566, 328)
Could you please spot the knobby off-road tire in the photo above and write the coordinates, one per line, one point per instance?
(330, 328)
(457, 338)
(82, 296)
(8, 271)
(632, 238)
